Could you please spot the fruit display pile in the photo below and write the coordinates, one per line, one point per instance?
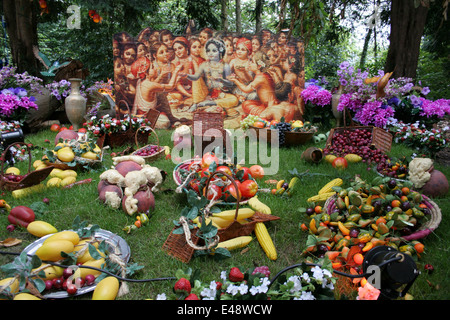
(148, 150)
(357, 141)
(394, 168)
(363, 216)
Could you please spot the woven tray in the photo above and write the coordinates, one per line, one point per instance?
(177, 245)
(423, 231)
(158, 155)
(30, 179)
(381, 139)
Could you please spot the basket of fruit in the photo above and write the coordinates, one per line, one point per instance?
(383, 211)
(11, 181)
(150, 152)
(357, 136)
(295, 133)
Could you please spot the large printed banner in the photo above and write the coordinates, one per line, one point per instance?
(211, 71)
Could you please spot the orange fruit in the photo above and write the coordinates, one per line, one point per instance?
(138, 223)
(403, 198)
(317, 209)
(358, 258)
(273, 191)
(420, 248)
(395, 203)
(405, 190)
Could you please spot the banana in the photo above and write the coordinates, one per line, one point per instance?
(279, 184)
(257, 205)
(293, 182)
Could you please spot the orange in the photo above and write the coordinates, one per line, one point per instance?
(138, 223)
(403, 198)
(395, 203)
(405, 190)
(358, 258)
(419, 247)
(318, 209)
(273, 191)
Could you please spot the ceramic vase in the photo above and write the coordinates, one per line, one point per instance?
(75, 104)
(334, 103)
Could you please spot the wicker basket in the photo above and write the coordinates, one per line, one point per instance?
(157, 155)
(208, 127)
(381, 139)
(424, 230)
(30, 179)
(177, 245)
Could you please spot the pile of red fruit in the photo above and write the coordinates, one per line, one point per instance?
(148, 150)
(66, 283)
(355, 141)
(13, 177)
(220, 187)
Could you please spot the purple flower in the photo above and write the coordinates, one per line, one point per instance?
(425, 91)
(415, 100)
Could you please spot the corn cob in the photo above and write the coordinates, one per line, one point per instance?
(321, 197)
(265, 240)
(235, 243)
(333, 183)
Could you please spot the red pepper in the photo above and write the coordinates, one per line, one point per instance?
(21, 215)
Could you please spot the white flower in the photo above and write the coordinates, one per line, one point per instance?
(161, 296)
(223, 276)
(254, 290)
(307, 295)
(317, 273)
(209, 293)
(297, 283)
(306, 277)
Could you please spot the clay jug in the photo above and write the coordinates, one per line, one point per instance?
(75, 104)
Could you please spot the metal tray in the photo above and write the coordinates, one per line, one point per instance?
(115, 244)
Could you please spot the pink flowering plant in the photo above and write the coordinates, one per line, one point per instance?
(16, 94)
(373, 104)
(317, 101)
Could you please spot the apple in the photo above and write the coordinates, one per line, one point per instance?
(194, 166)
(229, 192)
(208, 158)
(243, 173)
(248, 188)
(62, 129)
(55, 127)
(257, 171)
(214, 192)
(205, 173)
(194, 184)
(339, 163)
(226, 170)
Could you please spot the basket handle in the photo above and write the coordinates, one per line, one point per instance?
(6, 150)
(234, 184)
(143, 127)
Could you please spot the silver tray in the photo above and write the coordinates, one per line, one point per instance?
(115, 244)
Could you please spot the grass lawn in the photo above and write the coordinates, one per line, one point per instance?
(146, 243)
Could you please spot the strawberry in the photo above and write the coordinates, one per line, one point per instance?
(218, 285)
(235, 275)
(192, 296)
(182, 286)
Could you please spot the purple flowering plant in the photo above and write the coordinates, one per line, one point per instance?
(372, 104)
(16, 94)
(317, 100)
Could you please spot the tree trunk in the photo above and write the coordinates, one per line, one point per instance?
(224, 15)
(407, 25)
(21, 24)
(362, 61)
(238, 17)
(258, 11)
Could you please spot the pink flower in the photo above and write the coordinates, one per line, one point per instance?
(368, 292)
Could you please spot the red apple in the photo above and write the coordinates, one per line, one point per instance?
(243, 173)
(224, 169)
(214, 192)
(248, 188)
(339, 163)
(208, 158)
(194, 184)
(194, 165)
(229, 192)
(257, 171)
(55, 127)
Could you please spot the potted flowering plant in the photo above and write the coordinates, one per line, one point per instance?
(379, 100)
(317, 102)
(15, 94)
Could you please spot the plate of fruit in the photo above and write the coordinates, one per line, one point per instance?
(75, 280)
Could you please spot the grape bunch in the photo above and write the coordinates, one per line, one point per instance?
(148, 151)
(282, 127)
(263, 270)
(248, 121)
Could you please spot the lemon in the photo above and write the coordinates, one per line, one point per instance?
(65, 154)
(12, 170)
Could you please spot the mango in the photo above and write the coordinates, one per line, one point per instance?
(51, 251)
(51, 272)
(83, 272)
(87, 256)
(40, 228)
(106, 289)
(72, 236)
